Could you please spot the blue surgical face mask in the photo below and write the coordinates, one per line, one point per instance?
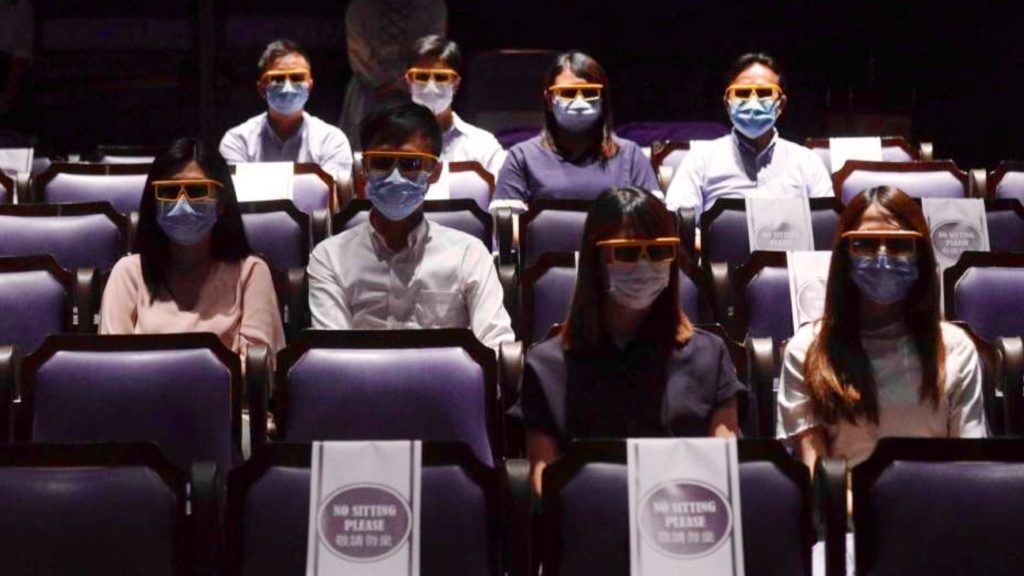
(576, 115)
(395, 196)
(287, 98)
(186, 223)
(754, 116)
(882, 278)
(437, 97)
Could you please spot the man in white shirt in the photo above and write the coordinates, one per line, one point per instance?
(286, 132)
(398, 270)
(433, 78)
(753, 160)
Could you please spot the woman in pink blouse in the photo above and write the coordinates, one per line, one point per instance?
(194, 270)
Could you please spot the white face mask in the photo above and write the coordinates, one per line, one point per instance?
(437, 97)
(636, 285)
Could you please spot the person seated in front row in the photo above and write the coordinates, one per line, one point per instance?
(400, 270)
(576, 155)
(286, 132)
(433, 79)
(627, 362)
(752, 161)
(194, 270)
(880, 362)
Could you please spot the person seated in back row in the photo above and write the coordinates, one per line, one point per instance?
(286, 132)
(576, 155)
(433, 78)
(399, 270)
(753, 160)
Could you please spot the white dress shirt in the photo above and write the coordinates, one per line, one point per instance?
(315, 141)
(730, 167)
(464, 142)
(442, 279)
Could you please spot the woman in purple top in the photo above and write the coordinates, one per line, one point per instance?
(576, 155)
(627, 363)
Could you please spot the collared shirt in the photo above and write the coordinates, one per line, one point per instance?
(532, 170)
(443, 278)
(315, 141)
(465, 142)
(730, 167)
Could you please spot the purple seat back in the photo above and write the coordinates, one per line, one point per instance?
(724, 235)
(455, 214)
(983, 295)
(890, 153)
(186, 400)
(92, 517)
(123, 191)
(278, 236)
(463, 221)
(824, 221)
(768, 304)
(269, 515)
(33, 305)
(647, 133)
(552, 230)
(389, 392)
(470, 185)
(593, 517)
(75, 241)
(509, 137)
(918, 179)
(940, 517)
(310, 193)
(1011, 186)
(1005, 219)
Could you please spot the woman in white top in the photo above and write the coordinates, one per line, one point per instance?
(880, 362)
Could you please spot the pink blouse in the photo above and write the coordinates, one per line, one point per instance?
(237, 303)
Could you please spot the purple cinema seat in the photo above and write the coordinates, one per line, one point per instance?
(470, 180)
(35, 301)
(1005, 219)
(268, 512)
(586, 499)
(940, 506)
(984, 290)
(90, 509)
(7, 187)
(935, 179)
(463, 215)
(77, 236)
(1007, 181)
(509, 137)
(436, 385)
(120, 184)
(762, 288)
(894, 149)
(551, 225)
(182, 391)
(312, 188)
(549, 285)
(647, 133)
(278, 231)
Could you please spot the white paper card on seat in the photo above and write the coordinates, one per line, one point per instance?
(16, 160)
(808, 282)
(779, 224)
(684, 507)
(957, 225)
(842, 149)
(264, 181)
(364, 509)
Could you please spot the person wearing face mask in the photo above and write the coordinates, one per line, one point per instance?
(433, 79)
(286, 132)
(627, 362)
(880, 362)
(193, 270)
(752, 161)
(576, 155)
(400, 271)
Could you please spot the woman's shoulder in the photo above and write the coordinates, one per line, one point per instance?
(956, 340)
(802, 339)
(130, 266)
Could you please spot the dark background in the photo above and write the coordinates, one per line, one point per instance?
(133, 72)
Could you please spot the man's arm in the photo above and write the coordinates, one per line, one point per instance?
(484, 297)
(327, 304)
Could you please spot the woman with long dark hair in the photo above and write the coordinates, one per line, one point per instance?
(194, 270)
(576, 155)
(880, 362)
(627, 362)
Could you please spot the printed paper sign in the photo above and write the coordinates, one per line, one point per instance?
(264, 181)
(957, 225)
(16, 160)
(364, 509)
(779, 224)
(842, 149)
(684, 507)
(808, 281)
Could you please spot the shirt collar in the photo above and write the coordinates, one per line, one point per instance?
(744, 146)
(413, 243)
(458, 128)
(268, 130)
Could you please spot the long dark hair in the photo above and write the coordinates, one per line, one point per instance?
(837, 369)
(227, 242)
(612, 211)
(588, 69)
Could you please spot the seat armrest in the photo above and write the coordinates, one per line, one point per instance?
(977, 183)
(298, 303)
(23, 187)
(85, 301)
(518, 516)
(686, 221)
(1011, 353)
(321, 222)
(8, 390)
(258, 383)
(510, 372)
(503, 227)
(206, 544)
(508, 279)
(927, 150)
(761, 381)
(721, 297)
(830, 478)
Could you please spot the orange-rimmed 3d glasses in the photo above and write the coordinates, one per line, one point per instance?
(746, 91)
(630, 250)
(871, 242)
(438, 75)
(573, 91)
(294, 76)
(409, 163)
(193, 190)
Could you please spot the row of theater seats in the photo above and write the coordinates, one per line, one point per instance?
(185, 393)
